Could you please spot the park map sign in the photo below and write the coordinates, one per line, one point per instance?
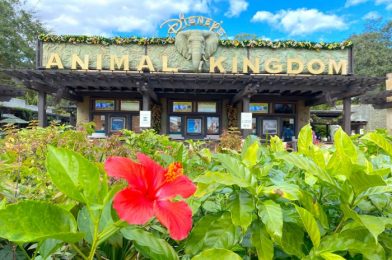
(192, 51)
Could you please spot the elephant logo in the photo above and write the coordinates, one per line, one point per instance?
(197, 45)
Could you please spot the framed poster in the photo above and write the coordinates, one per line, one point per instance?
(193, 126)
(104, 104)
(117, 123)
(270, 127)
(129, 105)
(284, 108)
(206, 107)
(182, 106)
(212, 125)
(175, 126)
(258, 107)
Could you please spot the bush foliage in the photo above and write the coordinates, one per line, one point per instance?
(260, 202)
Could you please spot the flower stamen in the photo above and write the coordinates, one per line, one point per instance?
(174, 171)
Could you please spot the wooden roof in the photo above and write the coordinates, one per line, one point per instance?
(315, 89)
(7, 92)
(378, 100)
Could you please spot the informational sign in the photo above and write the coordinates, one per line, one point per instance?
(246, 120)
(145, 118)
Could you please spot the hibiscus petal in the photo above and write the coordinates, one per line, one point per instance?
(121, 167)
(175, 216)
(182, 186)
(154, 173)
(133, 207)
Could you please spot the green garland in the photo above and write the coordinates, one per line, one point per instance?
(257, 43)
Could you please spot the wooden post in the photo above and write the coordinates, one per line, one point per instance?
(146, 101)
(42, 119)
(245, 108)
(347, 115)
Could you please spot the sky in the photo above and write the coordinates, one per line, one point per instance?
(309, 20)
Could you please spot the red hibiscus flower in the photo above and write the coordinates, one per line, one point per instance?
(150, 191)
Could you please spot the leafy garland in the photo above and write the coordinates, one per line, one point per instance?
(257, 43)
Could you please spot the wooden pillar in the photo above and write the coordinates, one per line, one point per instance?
(245, 108)
(42, 119)
(146, 101)
(347, 115)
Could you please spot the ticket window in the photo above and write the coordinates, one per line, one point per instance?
(194, 119)
(100, 123)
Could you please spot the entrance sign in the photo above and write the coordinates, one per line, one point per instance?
(177, 25)
(145, 118)
(246, 120)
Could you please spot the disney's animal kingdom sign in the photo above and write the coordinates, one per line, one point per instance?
(214, 64)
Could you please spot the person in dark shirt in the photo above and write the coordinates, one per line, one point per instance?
(287, 133)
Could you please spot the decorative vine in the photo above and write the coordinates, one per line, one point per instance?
(156, 112)
(257, 43)
(232, 116)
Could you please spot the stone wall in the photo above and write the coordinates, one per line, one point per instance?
(83, 111)
(303, 115)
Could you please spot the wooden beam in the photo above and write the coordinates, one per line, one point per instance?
(383, 105)
(146, 90)
(248, 90)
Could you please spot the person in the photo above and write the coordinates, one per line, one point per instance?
(288, 133)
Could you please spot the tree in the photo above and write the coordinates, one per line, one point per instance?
(373, 50)
(18, 35)
(19, 30)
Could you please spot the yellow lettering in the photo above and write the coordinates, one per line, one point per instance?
(273, 66)
(320, 64)
(165, 66)
(291, 70)
(216, 64)
(336, 68)
(145, 62)
(116, 62)
(76, 61)
(54, 60)
(99, 62)
(248, 65)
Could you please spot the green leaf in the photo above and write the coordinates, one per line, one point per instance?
(236, 168)
(270, 213)
(251, 155)
(331, 256)
(276, 144)
(375, 225)
(34, 221)
(307, 165)
(344, 146)
(149, 245)
(380, 141)
(222, 178)
(293, 239)
(284, 190)
(357, 240)
(212, 231)
(361, 181)
(305, 140)
(262, 242)
(241, 208)
(75, 176)
(310, 225)
(372, 191)
(213, 254)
